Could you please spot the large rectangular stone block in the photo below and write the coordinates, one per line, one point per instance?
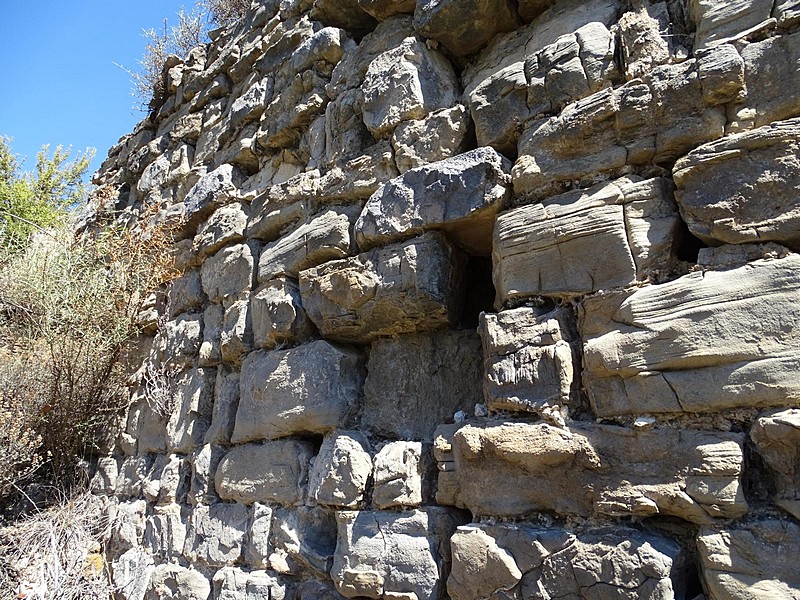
(507, 469)
(407, 287)
(308, 389)
(701, 343)
(529, 359)
(551, 248)
(721, 187)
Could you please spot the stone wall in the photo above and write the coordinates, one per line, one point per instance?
(481, 299)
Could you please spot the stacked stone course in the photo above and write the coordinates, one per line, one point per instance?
(480, 299)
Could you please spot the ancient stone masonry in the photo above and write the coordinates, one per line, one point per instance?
(479, 299)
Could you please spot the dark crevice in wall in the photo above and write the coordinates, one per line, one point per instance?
(687, 246)
(479, 292)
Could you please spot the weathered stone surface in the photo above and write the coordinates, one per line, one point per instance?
(105, 476)
(204, 465)
(193, 398)
(281, 477)
(380, 553)
(398, 476)
(278, 315)
(232, 583)
(644, 44)
(507, 85)
(529, 358)
(459, 195)
(721, 187)
(178, 343)
(346, 14)
(341, 470)
(173, 582)
(704, 342)
(718, 21)
(226, 401)
(464, 26)
(754, 560)
(406, 82)
(303, 540)
(132, 572)
(550, 248)
(415, 382)
(309, 389)
(236, 337)
(438, 136)
(769, 74)
(777, 438)
(654, 119)
(128, 524)
(165, 532)
(209, 353)
(407, 287)
(185, 294)
(324, 237)
(214, 189)
(591, 470)
(168, 480)
(598, 563)
(216, 534)
(225, 226)
(257, 548)
(131, 473)
(229, 272)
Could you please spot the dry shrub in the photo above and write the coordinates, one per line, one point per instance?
(69, 307)
(56, 554)
(225, 12)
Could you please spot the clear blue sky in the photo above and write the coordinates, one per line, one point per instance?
(59, 82)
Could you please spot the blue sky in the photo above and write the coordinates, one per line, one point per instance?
(59, 81)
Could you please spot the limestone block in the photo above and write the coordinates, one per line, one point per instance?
(459, 195)
(398, 476)
(151, 431)
(754, 560)
(315, 589)
(777, 439)
(721, 72)
(278, 315)
(225, 226)
(654, 119)
(229, 272)
(682, 347)
(132, 572)
(382, 553)
(185, 294)
(292, 110)
(612, 563)
(282, 476)
(341, 470)
(416, 381)
(308, 389)
(193, 398)
(303, 540)
(168, 479)
(165, 532)
(132, 472)
(204, 466)
(550, 248)
(464, 26)
(212, 190)
(173, 582)
(530, 359)
(642, 39)
(383, 9)
(209, 353)
(216, 534)
(223, 414)
(496, 85)
(236, 337)
(128, 525)
(440, 135)
(233, 583)
(105, 476)
(179, 341)
(787, 12)
(324, 237)
(249, 105)
(721, 187)
(591, 470)
(718, 21)
(406, 82)
(257, 547)
(407, 287)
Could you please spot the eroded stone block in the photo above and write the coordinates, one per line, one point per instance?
(165, 532)
(701, 343)
(341, 470)
(459, 195)
(281, 477)
(440, 135)
(233, 583)
(173, 582)
(777, 438)
(278, 315)
(718, 21)
(302, 540)
(591, 470)
(229, 272)
(308, 389)
(407, 287)
(398, 478)
(212, 190)
(192, 401)
(216, 534)
(225, 226)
